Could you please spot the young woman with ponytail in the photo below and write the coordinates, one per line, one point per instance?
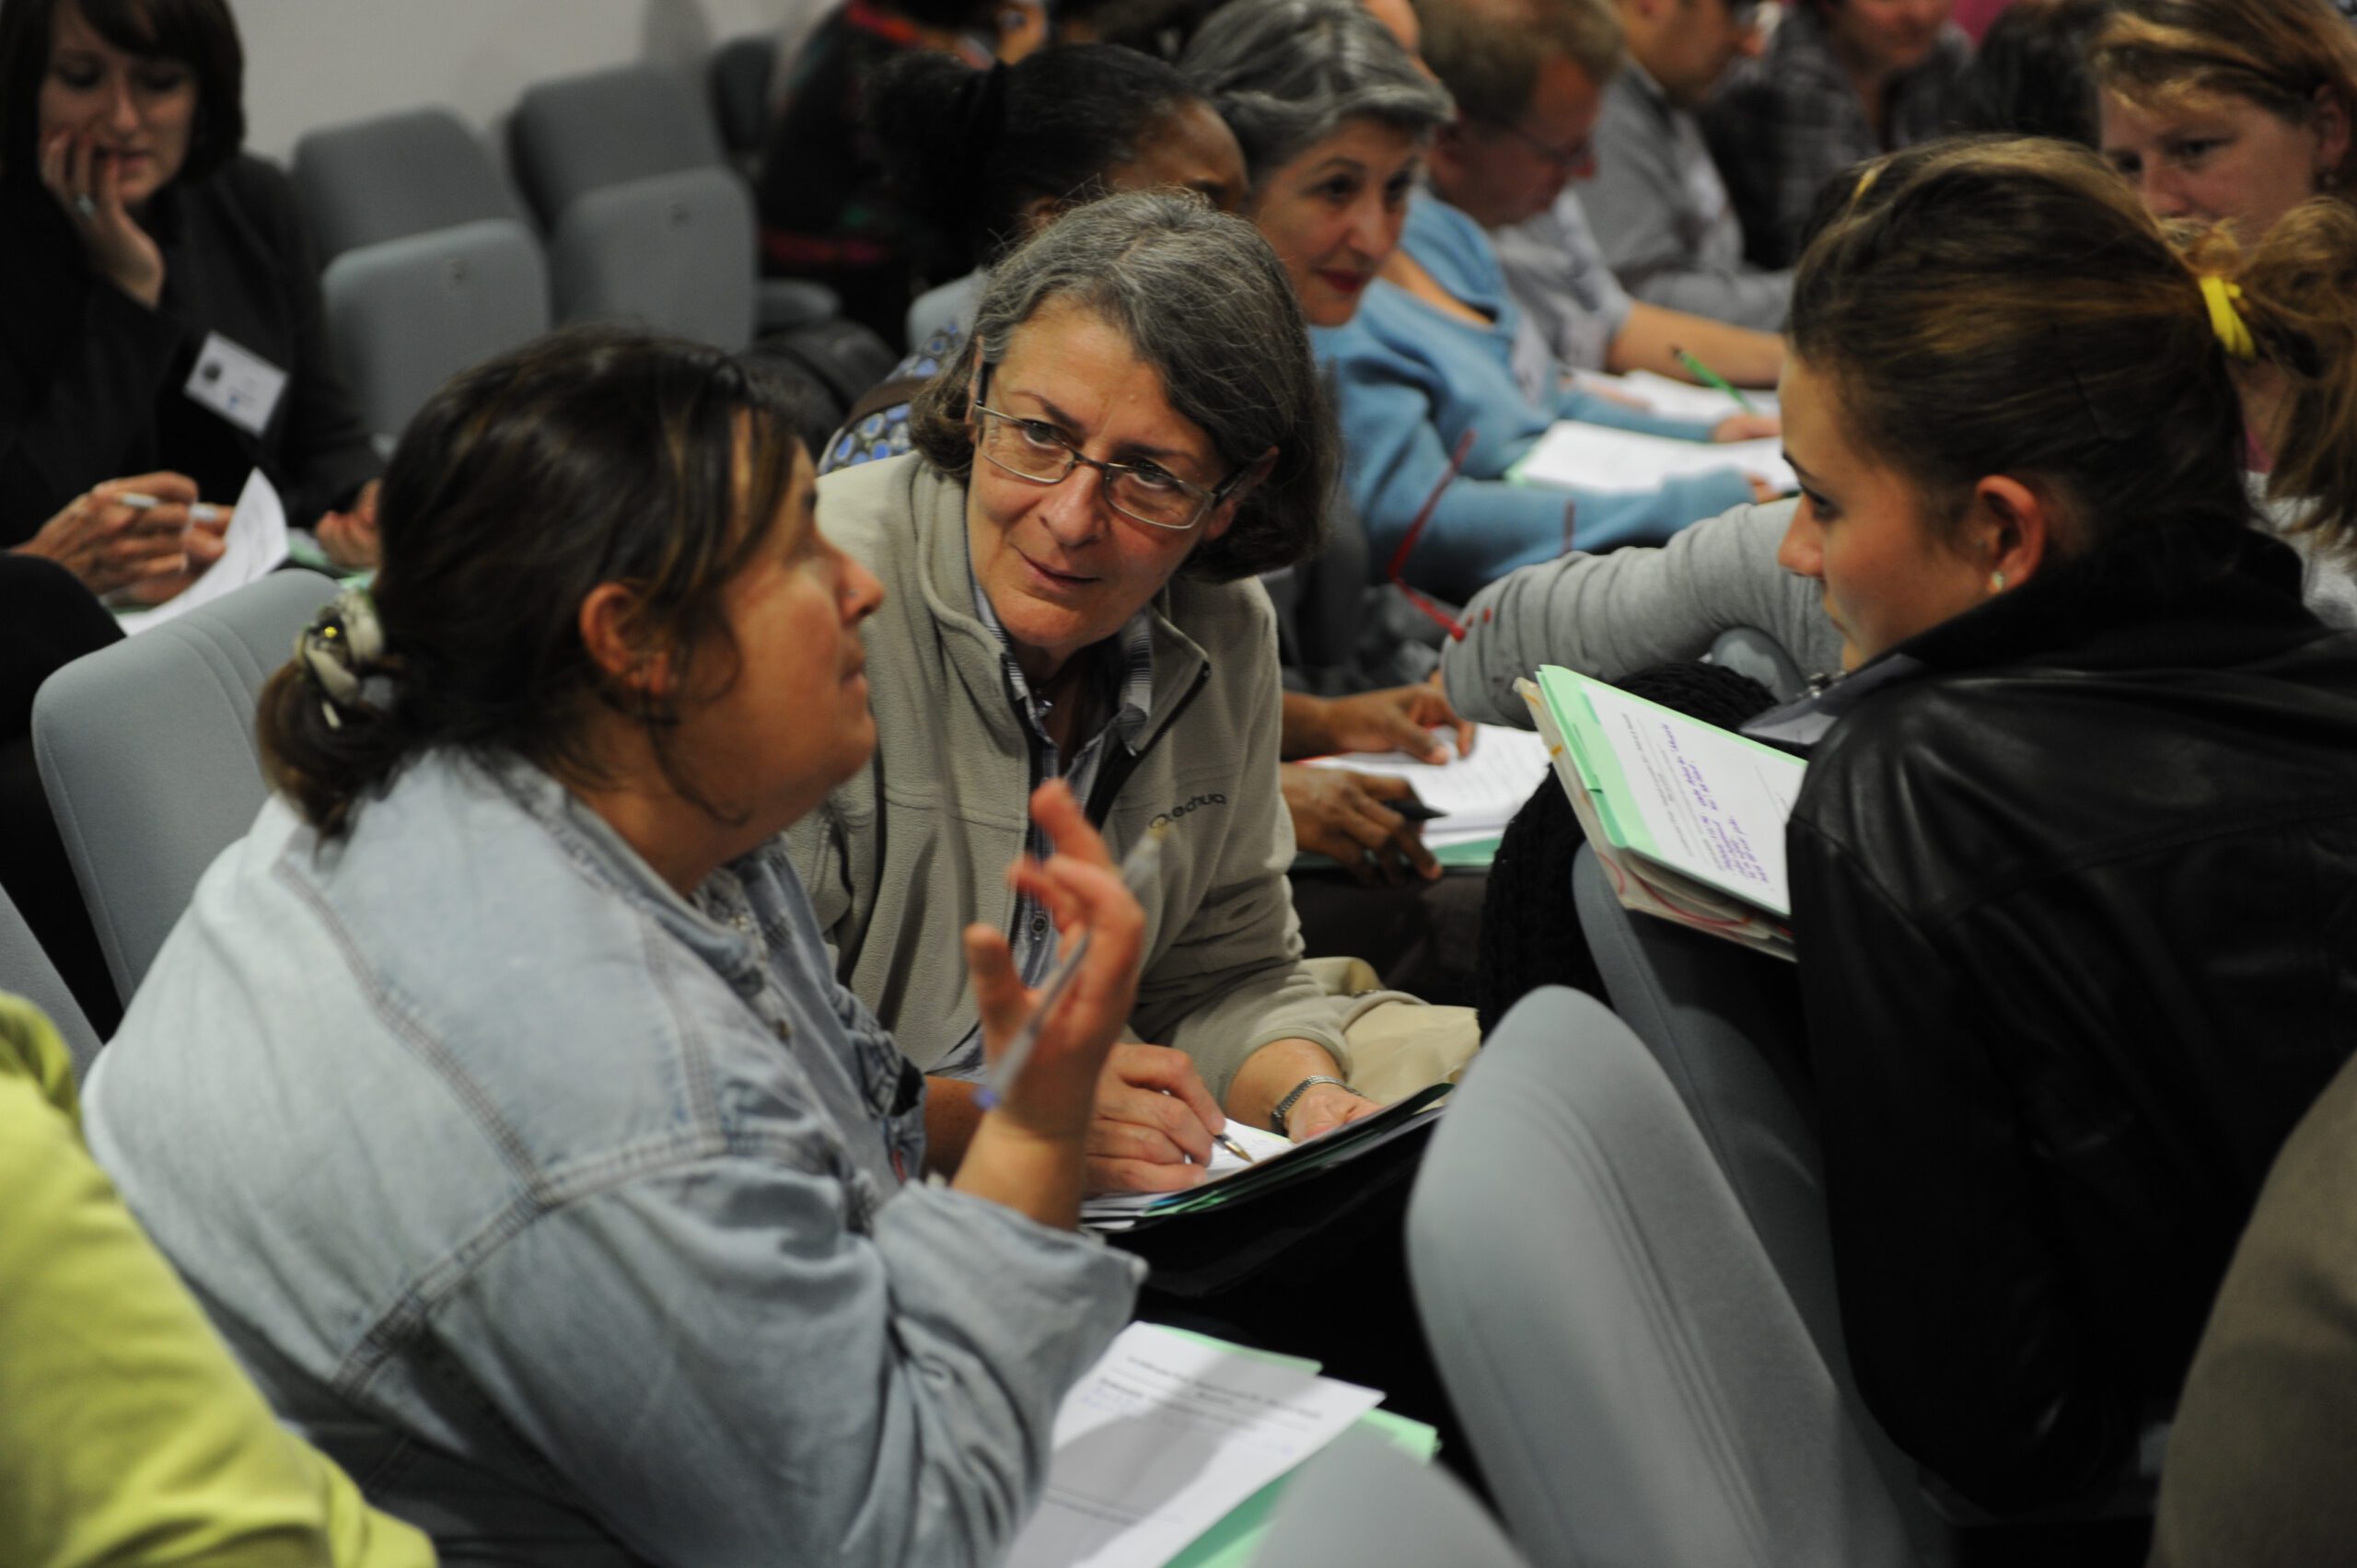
(2073, 873)
(495, 1094)
(2075, 870)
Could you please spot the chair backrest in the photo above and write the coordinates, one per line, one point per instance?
(394, 176)
(740, 81)
(24, 968)
(147, 751)
(1362, 1502)
(674, 251)
(581, 134)
(1631, 1375)
(406, 315)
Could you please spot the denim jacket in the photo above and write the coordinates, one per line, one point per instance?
(571, 1217)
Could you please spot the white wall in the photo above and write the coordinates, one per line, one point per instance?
(312, 63)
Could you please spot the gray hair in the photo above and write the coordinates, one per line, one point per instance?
(1287, 73)
(1201, 299)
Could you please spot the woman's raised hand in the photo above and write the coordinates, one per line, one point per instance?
(1028, 1153)
(88, 183)
(150, 552)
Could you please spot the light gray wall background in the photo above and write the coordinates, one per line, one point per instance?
(313, 62)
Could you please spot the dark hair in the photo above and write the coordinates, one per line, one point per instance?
(969, 148)
(200, 34)
(1202, 299)
(2277, 53)
(595, 455)
(1286, 74)
(2029, 76)
(1487, 53)
(1159, 27)
(2022, 282)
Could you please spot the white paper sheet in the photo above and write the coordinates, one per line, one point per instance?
(1162, 1438)
(1596, 456)
(1258, 1142)
(254, 543)
(1714, 806)
(1676, 399)
(1480, 793)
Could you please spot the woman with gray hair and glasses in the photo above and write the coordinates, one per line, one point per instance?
(1132, 431)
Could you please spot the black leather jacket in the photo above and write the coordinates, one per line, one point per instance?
(2076, 907)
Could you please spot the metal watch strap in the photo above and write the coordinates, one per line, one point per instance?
(1277, 1117)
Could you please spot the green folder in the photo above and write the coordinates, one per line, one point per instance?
(1235, 1540)
(1594, 757)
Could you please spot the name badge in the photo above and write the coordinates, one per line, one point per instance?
(236, 383)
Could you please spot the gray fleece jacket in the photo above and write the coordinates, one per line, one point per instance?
(1223, 974)
(1612, 615)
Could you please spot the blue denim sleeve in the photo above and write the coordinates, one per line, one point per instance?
(733, 1376)
(1484, 529)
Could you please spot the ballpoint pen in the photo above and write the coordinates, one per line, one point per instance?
(199, 511)
(1232, 1147)
(1711, 379)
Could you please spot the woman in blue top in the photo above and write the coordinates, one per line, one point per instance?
(1333, 115)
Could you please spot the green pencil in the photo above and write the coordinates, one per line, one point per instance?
(1710, 378)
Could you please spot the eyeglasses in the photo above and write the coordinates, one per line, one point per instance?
(1146, 492)
(1571, 159)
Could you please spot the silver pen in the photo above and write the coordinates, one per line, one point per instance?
(198, 511)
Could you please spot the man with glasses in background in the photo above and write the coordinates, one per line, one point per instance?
(1661, 212)
(1528, 79)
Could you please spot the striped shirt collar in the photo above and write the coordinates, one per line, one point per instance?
(1134, 674)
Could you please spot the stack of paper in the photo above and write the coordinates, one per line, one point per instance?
(1481, 791)
(1165, 1436)
(1688, 818)
(1596, 456)
(1119, 1210)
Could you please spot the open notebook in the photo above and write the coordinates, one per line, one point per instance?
(1688, 818)
(1597, 456)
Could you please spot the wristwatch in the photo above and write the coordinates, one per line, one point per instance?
(1277, 1117)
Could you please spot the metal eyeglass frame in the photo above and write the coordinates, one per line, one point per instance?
(1074, 457)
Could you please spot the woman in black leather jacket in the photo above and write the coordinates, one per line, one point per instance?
(2074, 872)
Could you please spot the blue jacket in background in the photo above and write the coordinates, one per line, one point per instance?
(1410, 380)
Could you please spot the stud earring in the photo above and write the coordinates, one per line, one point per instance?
(1996, 582)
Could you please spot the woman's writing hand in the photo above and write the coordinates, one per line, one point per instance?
(88, 183)
(1341, 814)
(1746, 427)
(1153, 1124)
(113, 547)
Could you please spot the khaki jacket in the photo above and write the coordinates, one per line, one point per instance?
(1222, 973)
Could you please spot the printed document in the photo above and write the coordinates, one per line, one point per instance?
(1480, 792)
(1164, 1437)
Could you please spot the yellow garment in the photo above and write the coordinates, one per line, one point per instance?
(128, 1435)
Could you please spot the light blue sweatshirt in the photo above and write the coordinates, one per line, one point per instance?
(1410, 380)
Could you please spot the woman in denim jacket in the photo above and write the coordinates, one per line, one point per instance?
(496, 1094)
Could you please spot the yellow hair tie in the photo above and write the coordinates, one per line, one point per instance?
(2225, 320)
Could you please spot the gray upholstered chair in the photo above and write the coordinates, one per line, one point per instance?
(1361, 1502)
(407, 314)
(1636, 1383)
(667, 252)
(397, 175)
(146, 751)
(24, 968)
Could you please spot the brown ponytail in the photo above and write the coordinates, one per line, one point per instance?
(2008, 306)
